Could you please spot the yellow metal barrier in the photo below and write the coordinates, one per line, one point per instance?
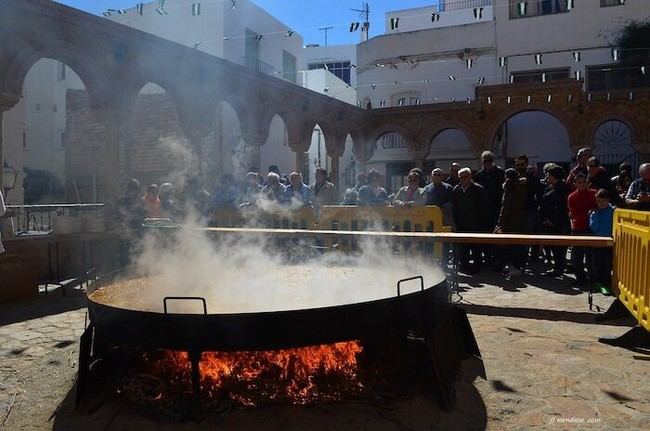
(415, 219)
(632, 262)
(339, 217)
(282, 218)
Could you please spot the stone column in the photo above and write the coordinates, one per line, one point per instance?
(299, 140)
(335, 171)
(7, 101)
(113, 124)
(362, 154)
(335, 150)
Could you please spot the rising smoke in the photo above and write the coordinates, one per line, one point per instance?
(251, 273)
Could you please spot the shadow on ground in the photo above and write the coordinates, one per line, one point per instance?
(539, 314)
(41, 306)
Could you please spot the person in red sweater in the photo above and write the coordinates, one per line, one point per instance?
(580, 203)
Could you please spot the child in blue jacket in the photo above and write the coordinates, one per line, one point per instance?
(601, 222)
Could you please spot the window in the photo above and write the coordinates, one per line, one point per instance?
(62, 134)
(251, 49)
(528, 8)
(616, 77)
(289, 70)
(605, 3)
(339, 68)
(540, 75)
(406, 99)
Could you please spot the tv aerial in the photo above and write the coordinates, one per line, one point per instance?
(364, 13)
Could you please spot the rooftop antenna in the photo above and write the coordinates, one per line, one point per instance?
(325, 29)
(365, 13)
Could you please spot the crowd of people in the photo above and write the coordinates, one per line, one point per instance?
(518, 200)
(492, 199)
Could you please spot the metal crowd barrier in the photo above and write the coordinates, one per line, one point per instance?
(632, 262)
(340, 217)
(282, 218)
(387, 219)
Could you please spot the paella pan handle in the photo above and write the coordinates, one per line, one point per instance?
(399, 284)
(185, 298)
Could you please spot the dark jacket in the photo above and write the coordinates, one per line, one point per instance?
(553, 207)
(534, 192)
(492, 182)
(512, 218)
(469, 208)
(602, 181)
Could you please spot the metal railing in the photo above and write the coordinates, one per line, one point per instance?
(463, 4)
(258, 65)
(41, 218)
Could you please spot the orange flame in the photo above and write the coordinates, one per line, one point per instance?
(300, 376)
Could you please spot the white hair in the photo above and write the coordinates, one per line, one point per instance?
(643, 167)
(464, 171)
(272, 175)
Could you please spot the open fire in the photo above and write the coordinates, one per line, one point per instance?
(294, 376)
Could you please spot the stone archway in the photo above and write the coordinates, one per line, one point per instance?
(40, 149)
(94, 81)
(276, 150)
(447, 145)
(541, 133)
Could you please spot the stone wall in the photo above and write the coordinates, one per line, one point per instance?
(155, 151)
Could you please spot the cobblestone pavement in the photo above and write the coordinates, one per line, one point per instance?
(545, 370)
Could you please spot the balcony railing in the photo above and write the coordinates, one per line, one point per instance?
(258, 65)
(463, 4)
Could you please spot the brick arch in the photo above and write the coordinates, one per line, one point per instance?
(614, 115)
(529, 107)
(457, 125)
(96, 83)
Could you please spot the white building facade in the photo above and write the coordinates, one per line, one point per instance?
(442, 53)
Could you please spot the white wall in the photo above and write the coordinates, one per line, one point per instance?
(420, 62)
(219, 30)
(586, 25)
(324, 82)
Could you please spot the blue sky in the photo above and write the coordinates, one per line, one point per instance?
(304, 16)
